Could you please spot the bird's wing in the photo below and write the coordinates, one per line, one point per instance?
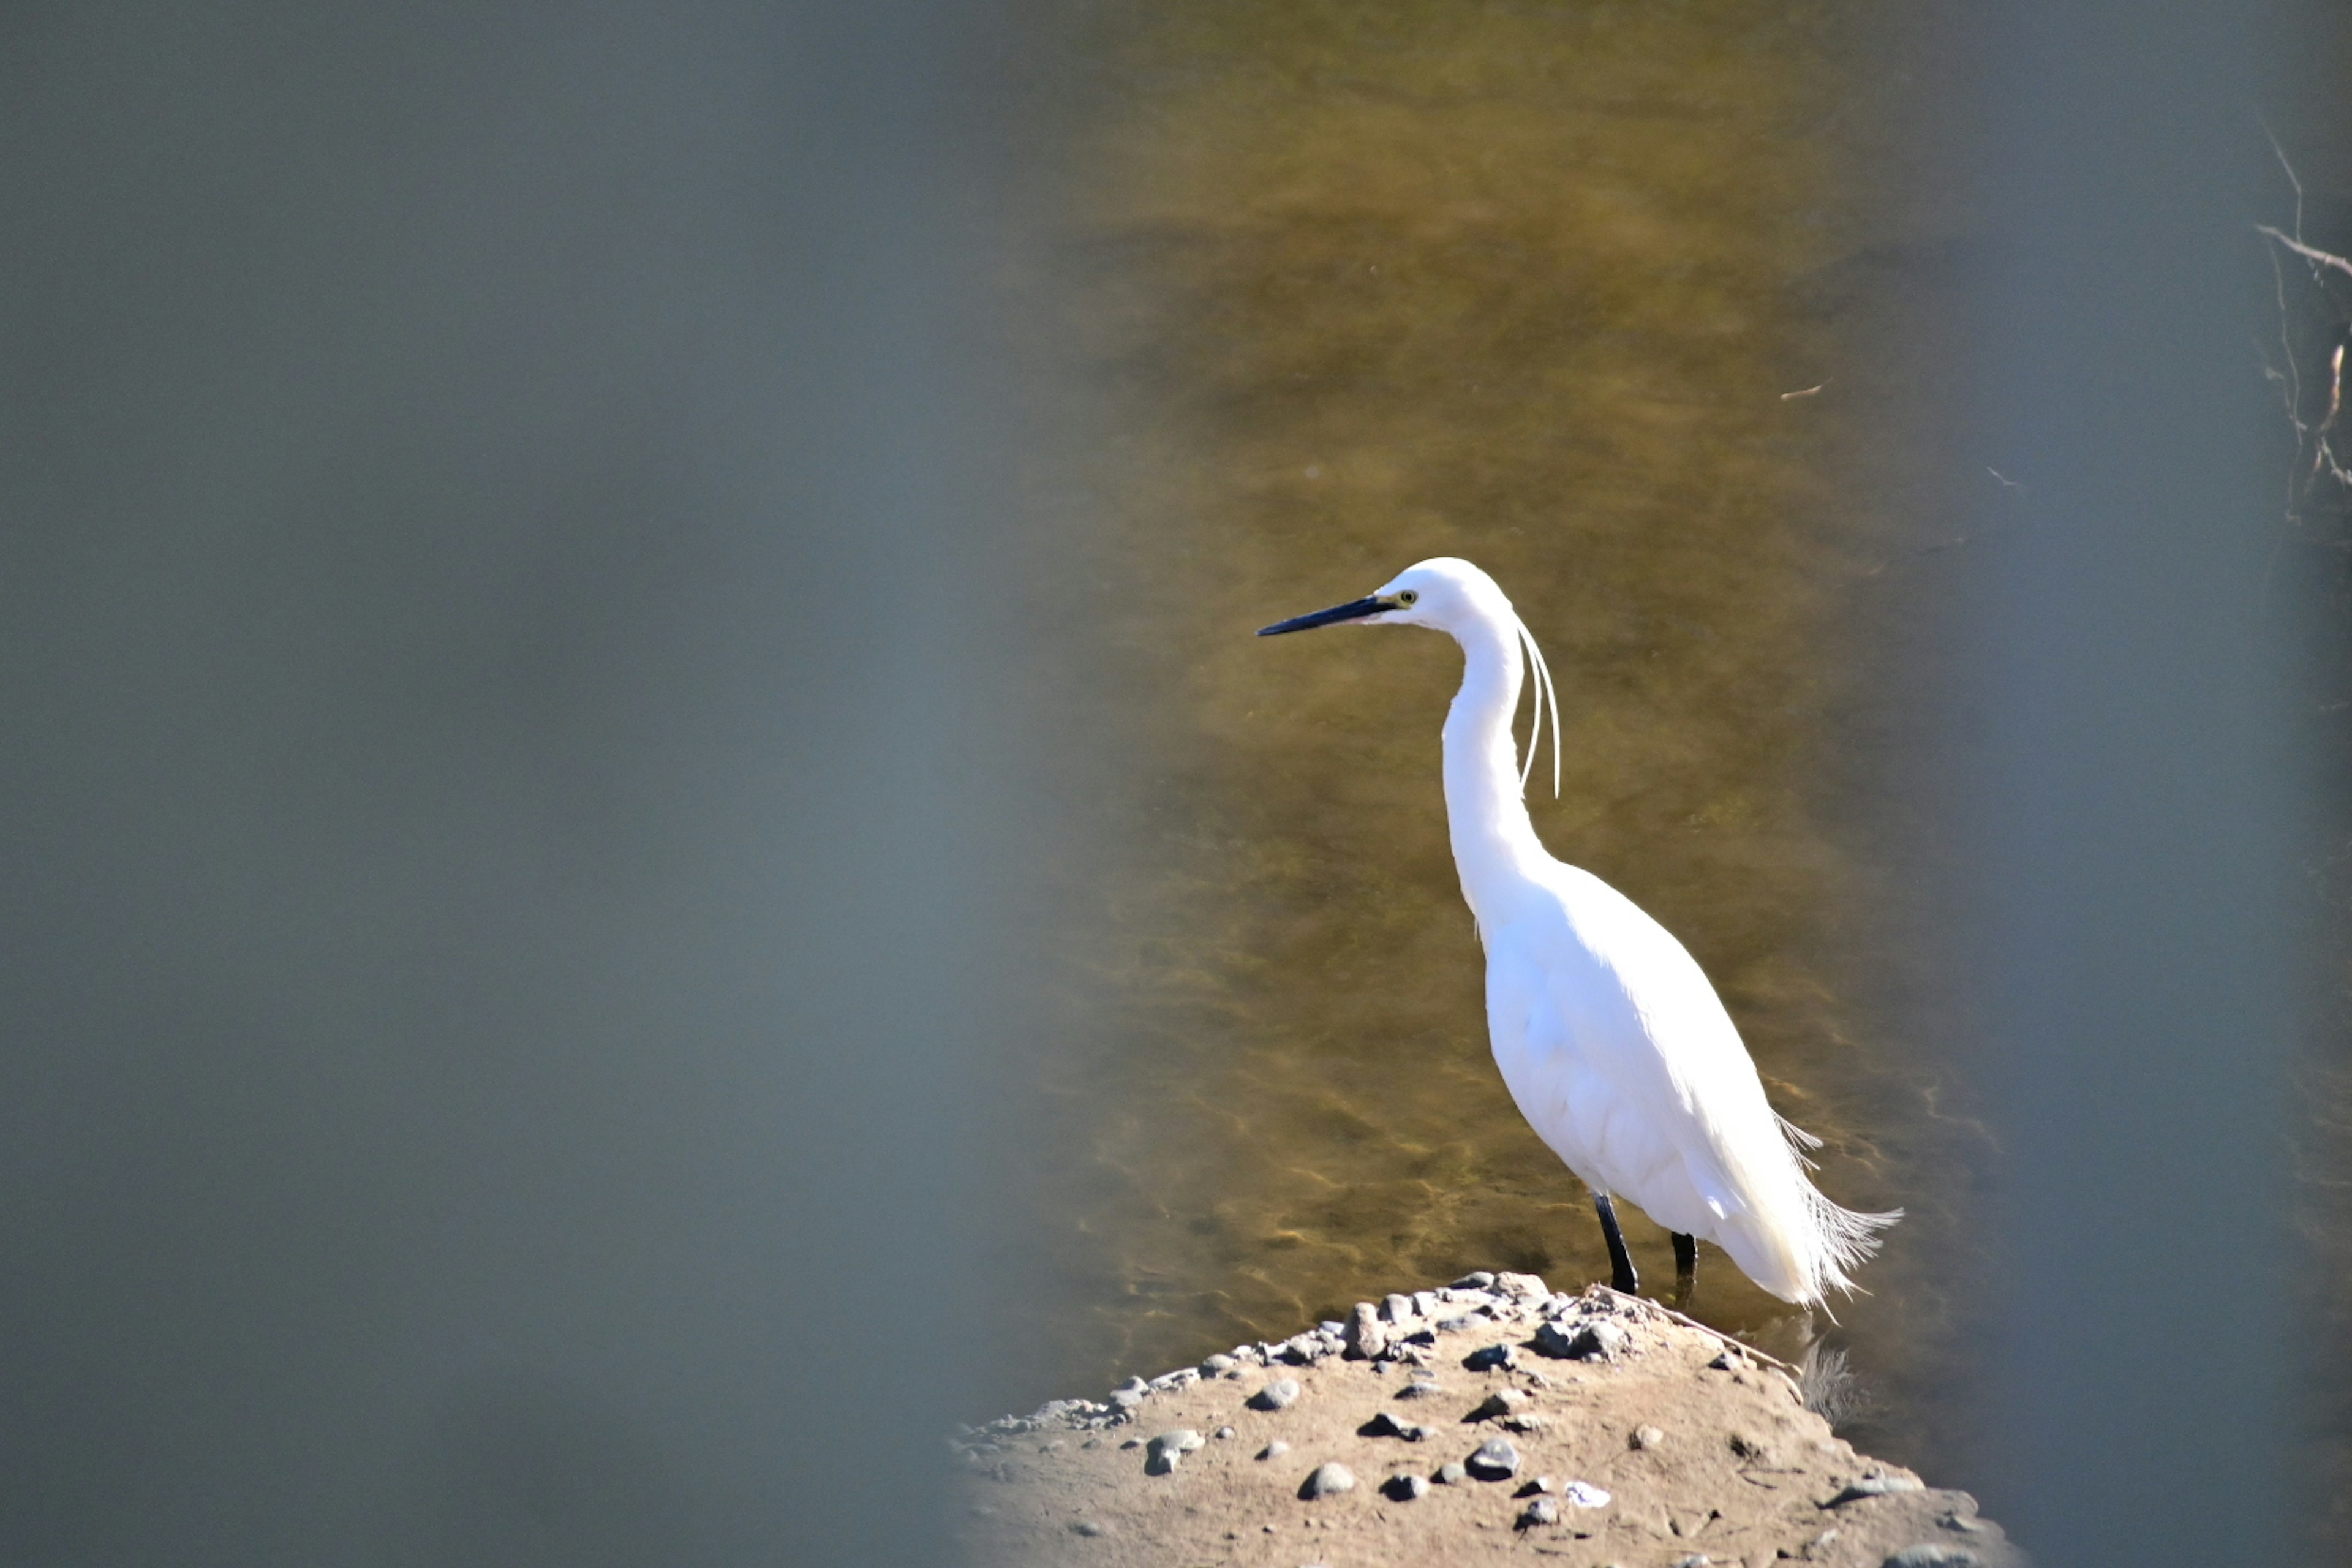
(1626, 1062)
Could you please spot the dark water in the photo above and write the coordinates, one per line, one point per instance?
(1578, 293)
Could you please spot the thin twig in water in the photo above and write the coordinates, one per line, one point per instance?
(2311, 253)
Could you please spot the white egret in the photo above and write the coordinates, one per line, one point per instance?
(1612, 1041)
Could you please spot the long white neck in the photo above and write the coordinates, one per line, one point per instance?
(1494, 845)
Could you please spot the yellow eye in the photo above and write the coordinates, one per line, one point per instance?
(1407, 597)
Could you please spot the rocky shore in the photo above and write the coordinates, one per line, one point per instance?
(1487, 1418)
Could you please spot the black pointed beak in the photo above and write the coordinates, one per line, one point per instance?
(1355, 611)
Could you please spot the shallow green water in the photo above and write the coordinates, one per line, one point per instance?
(1347, 287)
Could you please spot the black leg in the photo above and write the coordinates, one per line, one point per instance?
(1620, 1260)
(1685, 1266)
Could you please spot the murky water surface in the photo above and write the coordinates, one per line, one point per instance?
(1356, 284)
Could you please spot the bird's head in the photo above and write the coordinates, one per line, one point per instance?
(1443, 593)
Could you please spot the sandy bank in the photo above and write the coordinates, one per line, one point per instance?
(1486, 1419)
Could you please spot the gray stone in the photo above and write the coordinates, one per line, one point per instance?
(1502, 1402)
(1934, 1554)
(1424, 1303)
(1218, 1365)
(1399, 1308)
(1592, 1339)
(1088, 1527)
(1169, 1381)
(1875, 1486)
(1384, 1424)
(1367, 1338)
(1478, 1280)
(1488, 1358)
(1224, 1432)
(1279, 1395)
(1274, 1450)
(1645, 1438)
(1452, 1473)
(1496, 1460)
(1404, 1487)
(1420, 1388)
(1543, 1511)
(1522, 1287)
(1328, 1481)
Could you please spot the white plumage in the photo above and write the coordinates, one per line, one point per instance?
(1606, 1031)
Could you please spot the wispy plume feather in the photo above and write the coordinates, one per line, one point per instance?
(1544, 696)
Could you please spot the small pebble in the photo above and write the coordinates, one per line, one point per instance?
(1962, 1523)
(1366, 1338)
(1420, 1388)
(1086, 1527)
(1540, 1485)
(1695, 1560)
(1452, 1474)
(1934, 1554)
(1543, 1511)
(1399, 1308)
(1584, 1494)
(1218, 1365)
(1570, 1341)
(1279, 1395)
(1274, 1450)
(1404, 1487)
(1875, 1486)
(1224, 1431)
(1328, 1481)
(1502, 1402)
(1488, 1358)
(1525, 1425)
(1645, 1438)
(1478, 1280)
(1496, 1460)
